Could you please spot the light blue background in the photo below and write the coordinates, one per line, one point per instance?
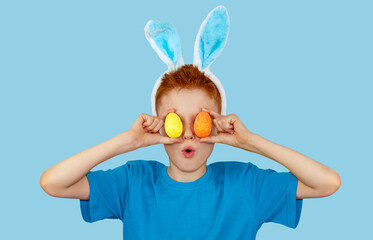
(76, 73)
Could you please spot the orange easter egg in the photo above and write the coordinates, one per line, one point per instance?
(203, 124)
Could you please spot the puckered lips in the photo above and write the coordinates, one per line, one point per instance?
(188, 149)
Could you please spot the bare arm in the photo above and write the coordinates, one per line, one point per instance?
(315, 179)
(67, 179)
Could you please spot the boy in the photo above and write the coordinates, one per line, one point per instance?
(189, 199)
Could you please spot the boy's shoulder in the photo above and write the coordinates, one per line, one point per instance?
(140, 169)
(142, 166)
(145, 163)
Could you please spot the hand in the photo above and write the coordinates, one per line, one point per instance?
(231, 130)
(146, 131)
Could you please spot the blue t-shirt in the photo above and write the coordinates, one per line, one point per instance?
(230, 201)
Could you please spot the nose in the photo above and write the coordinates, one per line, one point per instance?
(188, 132)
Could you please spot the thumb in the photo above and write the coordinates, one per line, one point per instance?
(168, 140)
(210, 139)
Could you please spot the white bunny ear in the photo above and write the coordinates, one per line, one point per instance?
(164, 39)
(211, 38)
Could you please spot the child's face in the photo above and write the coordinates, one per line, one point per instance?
(187, 104)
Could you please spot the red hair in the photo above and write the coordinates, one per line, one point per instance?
(188, 76)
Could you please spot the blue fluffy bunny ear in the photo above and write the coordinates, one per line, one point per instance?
(211, 38)
(164, 39)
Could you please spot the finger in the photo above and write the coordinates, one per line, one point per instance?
(167, 140)
(214, 131)
(217, 124)
(162, 131)
(210, 139)
(227, 127)
(148, 120)
(212, 113)
(154, 124)
(142, 118)
(158, 127)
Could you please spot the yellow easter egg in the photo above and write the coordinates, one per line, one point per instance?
(203, 124)
(173, 125)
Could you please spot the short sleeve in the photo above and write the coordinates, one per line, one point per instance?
(275, 197)
(108, 194)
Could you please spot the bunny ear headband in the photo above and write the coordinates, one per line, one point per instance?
(210, 42)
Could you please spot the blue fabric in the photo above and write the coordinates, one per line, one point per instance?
(230, 201)
(166, 39)
(213, 36)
